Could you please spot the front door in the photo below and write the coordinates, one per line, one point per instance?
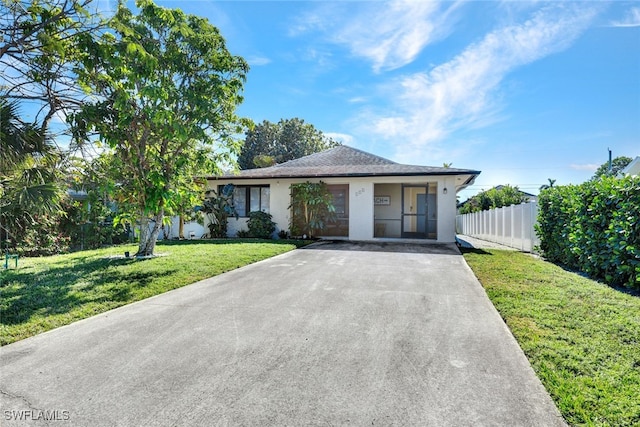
(419, 220)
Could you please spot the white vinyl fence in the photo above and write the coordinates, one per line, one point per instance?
(510, 226)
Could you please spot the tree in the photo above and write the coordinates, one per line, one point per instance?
(497, 197)
(28, 174)
(617, 165)
(38, 54)
(270, 143)
(311, 208)
(547, 186)
(167, 89)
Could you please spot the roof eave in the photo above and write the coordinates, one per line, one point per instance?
(468, 182)
(345, 175)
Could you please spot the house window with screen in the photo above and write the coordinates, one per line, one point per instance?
(251, 198)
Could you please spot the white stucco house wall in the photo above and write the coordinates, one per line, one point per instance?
(192, 229)
(376, 199)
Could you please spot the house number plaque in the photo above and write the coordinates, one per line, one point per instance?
(382, 200)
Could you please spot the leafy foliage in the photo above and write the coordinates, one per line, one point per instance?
(29, 177)
(503, 195)
(311, 208)
(89, 223)
(594, 227)
(218, 208)
(261, 225)
(42, 237)
(270, 143)
(549, 185)
(617, 165)
(167, 89)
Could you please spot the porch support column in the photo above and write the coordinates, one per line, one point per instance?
(360, 210)
(446, 209)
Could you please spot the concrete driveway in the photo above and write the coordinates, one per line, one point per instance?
(336, 334)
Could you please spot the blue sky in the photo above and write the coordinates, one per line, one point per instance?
(523, 91)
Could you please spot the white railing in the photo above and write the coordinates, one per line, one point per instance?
(511, 226)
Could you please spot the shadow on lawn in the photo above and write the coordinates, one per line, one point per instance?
(62, 288)
(476, 251)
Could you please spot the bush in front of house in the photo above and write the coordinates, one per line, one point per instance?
(594, 227)
(260, 225)
(311, 208)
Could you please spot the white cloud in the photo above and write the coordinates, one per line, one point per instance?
(632, 19)
(340, 137)
(357, 100)
(585, 167)
(316, 20)
(462, 92)
(391, 35)
(388, 34)
(258, 60)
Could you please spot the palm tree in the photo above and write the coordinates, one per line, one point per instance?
(550, 185)
(28, 173)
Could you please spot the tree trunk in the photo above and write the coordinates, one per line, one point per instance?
(149, 237)
(181, 228)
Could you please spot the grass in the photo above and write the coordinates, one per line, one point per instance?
(581, 337)
(48, 292)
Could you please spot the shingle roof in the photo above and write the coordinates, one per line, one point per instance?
(343, 161)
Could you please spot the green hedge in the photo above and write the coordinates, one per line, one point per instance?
(594, 227)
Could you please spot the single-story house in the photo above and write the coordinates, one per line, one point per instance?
(375, 198)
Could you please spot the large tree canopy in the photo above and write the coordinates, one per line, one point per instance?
(270, 143)
(617, 165)
(38, 51)
(167, 90)
(503, 195)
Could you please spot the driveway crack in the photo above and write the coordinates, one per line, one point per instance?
(26, 401)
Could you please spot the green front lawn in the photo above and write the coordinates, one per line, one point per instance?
(581, 337)
(48, 292)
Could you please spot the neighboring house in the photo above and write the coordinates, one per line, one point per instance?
(192, 229)
(374, 198)
(632, 168)
(529, 196)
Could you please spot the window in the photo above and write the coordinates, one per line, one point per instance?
(340, 225)
(340, 199)
(251, 198)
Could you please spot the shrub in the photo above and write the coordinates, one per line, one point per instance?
(260, 225)
(89, 224)
(594, 227)
(243, 234)
(218, 208)
(42, 238)
(283, 234)
(557, 214)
